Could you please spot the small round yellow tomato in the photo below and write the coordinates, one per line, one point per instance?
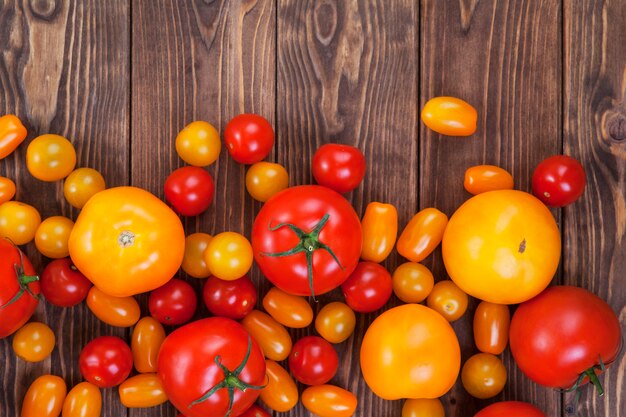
(450, 116)
(329, 401)
(141, 391)
(116, 311)
(148, 336)
(193, 262)
(50, 157)
(81, 185)
(335, 322)
(482, 178)
(448, 300)
(264, 179)
(228, 256)
(53, 235)
(84, 400)
(272, 337)
(483, 375)
(423, 407)
(7, 189)
(281, 393)
(44, 397)
(33, 342)
(18, 222)
(198, 144)
(412, 282)
(287, 309)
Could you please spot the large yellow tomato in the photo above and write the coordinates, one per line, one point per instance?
(502, 246)
(127, 241)
(410, 351)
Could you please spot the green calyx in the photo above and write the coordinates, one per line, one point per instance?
(23, 280)
(593, 378)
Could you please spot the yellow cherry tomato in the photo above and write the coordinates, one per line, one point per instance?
(450, 116)
(44, 397)
(198, 144)
(287, 309)
(81, 185)
(380, 229)
(33, 342)
(281, 393)
(141, 391)
(52, 237)
(423, 407)
(228, 256)
(148, 335)
(193, 262)
(264, 179)
(7, 189)
(84, 400)
(491, 327)
(329, 401)
(12, 134)
(272, 337)
(116, 311)
(50, 157)
(448, 299)
(483, 376)
(18, 222)
(412, 282)
(335, 322)
(483, 178)
(422, 234)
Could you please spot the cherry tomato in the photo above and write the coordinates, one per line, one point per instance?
(510, 409)
(313, 361)
(491, 327)
(81, 185)
(52, 236)
(62, 284)
(483, 375)
(33, 342)
(448, 300)
(335, 322)
(264, 179)
(198, 144)
(368, 288)
(483, 178)
(18, 222)
(338, 167)
(273, 338)
(281, 393)
(44, 397)
(189, 190)
(84, 400)
(450, 116)
(423, 407)
(329, 401)
(253, 411)
(174, 303)
(559, 180)
(249, 138)
(148, 336)
(141, 391)
(7, 189)
(228, 256)
(412, 282)
(50, 157)
(115, 311)
(422, 234)
(12, 134)
(287, 309)
(106, 361)
(232, 299)
(380, 229)
(193, 262)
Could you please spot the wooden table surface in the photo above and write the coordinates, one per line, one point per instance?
(120, 78)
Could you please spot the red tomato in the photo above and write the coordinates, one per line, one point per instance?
(62, 284)
(232, 299)
(313, 361)
(307, 240)
(338, 167)
(510, 409)
(211, 367)
(559, 180)
(174, 303)
(189, 190)
(106, 361)
(368, 288)
(255, 411)
(248, 138)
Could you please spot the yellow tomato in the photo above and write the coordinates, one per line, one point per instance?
(272, 337)
(380, 229)
(502, 246)
(33, 342)
(18, 222)
(116, 311)
(148, 336)
(412, 282)
(193, 262)
(12, 134)
(450, 116)
(7, 189)
(280, 393)
(44, 397)
(50, 157)
(81, 185)
(141, 391)
(491, 327)
(264, 179)
(483, 376)
(287, 309)
(482, 178)
(84, 400)
(198, 144)
(448, 300)
(423, 407)
(335, 322)
(52, 236)
(422, 234)
(329, 401)
(228, 256)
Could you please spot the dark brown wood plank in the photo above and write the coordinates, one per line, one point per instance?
(64, 70)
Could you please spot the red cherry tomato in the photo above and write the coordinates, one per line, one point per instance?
(313, 361)
(510, 409)
(368, 288)
(559, 180)
(189, 190)
(338, 167)
(232, 299)
(174, 303)
(106, 361)
(249, 138)
(255, 411)
(62, 284)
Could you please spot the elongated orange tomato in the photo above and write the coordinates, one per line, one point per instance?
(140, 391)
(450, 116)
(272, 337)
(44, 397)
(380, 229)
(116, 311)
(148, 335)
(491, 327)
(12, 133)
(7, 189)
(84, 400)
(281, 393)
(289, 310)
(422, 235)
(193, 262)
(329, 401)
(483, 178)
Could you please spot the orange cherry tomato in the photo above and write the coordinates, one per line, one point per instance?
(287, 309)
(18, 222)
(193, 262)
(329, 401)
(52, 236)
(423, 407)
(33, 342)
(272, 337)
(141, 391)
(281, 393)
(7, 189)
(12, 133)
(483, 178)
(116, 311)
(483, 376)
(422, 235)
(380, 229)
(491, 327)
(335, 322)
(448, 299)
(412, 282)
(81, 185)
(148, 335)
(450, 116)
(264, 179)
(84, 400)
(228, 256)
(198, 144)
(44, 397)
(50, 157)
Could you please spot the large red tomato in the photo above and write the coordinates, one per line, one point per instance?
(510, 409)
(307, 240)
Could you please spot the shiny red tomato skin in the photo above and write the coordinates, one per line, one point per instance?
(368, 288)
(106, 361)
(62, 284)
(559, 180)
(338, 167)
(510, 409)
(189, 190)
(249, 138)
(174, 303)
(255, 411)
(232, 299)
(313, 361)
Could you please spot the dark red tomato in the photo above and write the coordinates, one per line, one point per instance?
(232, 299)
(211, 367)
(564, 336)
(62, 284)
(368, 288)
(313, 361)
(307, 240)
(174, 303)
(559, 180)
(255, 411)
(189, 190)
(19, 288)
(338, 167)
(510, 409)
(106, 361)
(249, 138)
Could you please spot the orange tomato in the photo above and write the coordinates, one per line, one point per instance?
(483, 376)
(198, 144)
(18, 222)
(141, 391)
(7, 189)
(228, 256)
(329, 401)
(422, 235)
(148, 335)
(272, 337)
(12, 133)
(116, 311)
(52, 236)
(448, 300)
(33, 342)
(491, 327)
(264, 179)
(287, 309)
(335, 322)
(81, 185)
(44, 397)
(502, 246)
(84, 400)
(193, 261)
(281, 393)
(380, 229)
(483, 178)
(412, 282)
(423, 407)
(126, 241)
(450, 116)
(50, 157)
